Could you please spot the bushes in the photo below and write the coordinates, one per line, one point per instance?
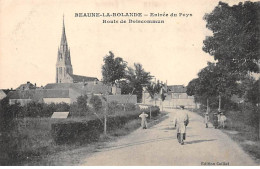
(96, 103)
(155, 110)
(72, 131)
(76, 131)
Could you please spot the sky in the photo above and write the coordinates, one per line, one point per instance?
(30, 33)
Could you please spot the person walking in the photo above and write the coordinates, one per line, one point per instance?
(219, 114)
(181, 122)
(206, 119)
(143, 117)
(222, 120)
(215, 120)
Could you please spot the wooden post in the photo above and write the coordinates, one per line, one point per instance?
(219, 103)
(207, 105)
(105, 125)
(150, 113)
(259, 126)
(105, 118)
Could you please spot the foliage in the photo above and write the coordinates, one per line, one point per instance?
(137, 78)
(69, 132)
(253, 94)
(213, 80)
(153, 89)
(113, 68)
(82, 102)
(114, 107)
(235, 41)
(235, 47)
(96, 102)
(155, 110)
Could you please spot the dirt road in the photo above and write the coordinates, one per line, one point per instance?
(158, 146)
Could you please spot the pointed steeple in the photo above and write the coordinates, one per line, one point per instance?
(63, 42)
(63, 65)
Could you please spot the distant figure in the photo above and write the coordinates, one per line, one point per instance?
(206, 119)
(222, 120)
(143, 116)
(181, 121)
(215, 120)
(219, 112)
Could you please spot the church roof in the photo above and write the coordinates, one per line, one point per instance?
(78, 78)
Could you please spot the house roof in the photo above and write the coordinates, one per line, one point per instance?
(6, 91)
(26, 86)
(39, 94)
(78, 78)
(64, 85)
(177, 89)
(89, 87)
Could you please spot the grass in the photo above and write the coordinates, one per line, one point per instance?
(243, 129)
(36, 145)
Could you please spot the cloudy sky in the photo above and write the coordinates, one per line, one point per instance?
(30, 33)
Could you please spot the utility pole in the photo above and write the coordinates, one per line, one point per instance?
(105, 113)
(219, 102)
(150, 113)
(207, 105)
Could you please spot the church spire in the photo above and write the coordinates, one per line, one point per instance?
(63, 42)
(63, 65)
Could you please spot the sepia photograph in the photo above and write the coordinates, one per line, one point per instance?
(129, 83)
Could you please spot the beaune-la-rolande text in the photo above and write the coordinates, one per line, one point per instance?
(108, 14)
(151, 14)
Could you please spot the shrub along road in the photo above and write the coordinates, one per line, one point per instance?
(158, 146)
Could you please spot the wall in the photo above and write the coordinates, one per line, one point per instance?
(116, 90)
(172, 100)
(2, 95)
(56, 100)
(122, 98)
(21, 101)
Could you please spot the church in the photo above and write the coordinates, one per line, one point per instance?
(64, 70)
(68, 86)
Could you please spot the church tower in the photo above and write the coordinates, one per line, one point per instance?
(63, 65)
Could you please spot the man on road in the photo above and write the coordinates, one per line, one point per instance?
(181, 121)
(143, 116)
(206, 119)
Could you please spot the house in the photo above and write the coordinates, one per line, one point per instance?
(68, 86)
(176, 96)
(4, 92)
(43, 96)
(26, 86)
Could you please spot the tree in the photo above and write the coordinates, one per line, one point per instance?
(154, 89)
(253, 94)
(96, 103)
(213, 81)
(113, 68)
(82, 102)
(235, 41)
(136, 78)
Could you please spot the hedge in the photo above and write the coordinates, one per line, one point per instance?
(68, 132)
(155, 110)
